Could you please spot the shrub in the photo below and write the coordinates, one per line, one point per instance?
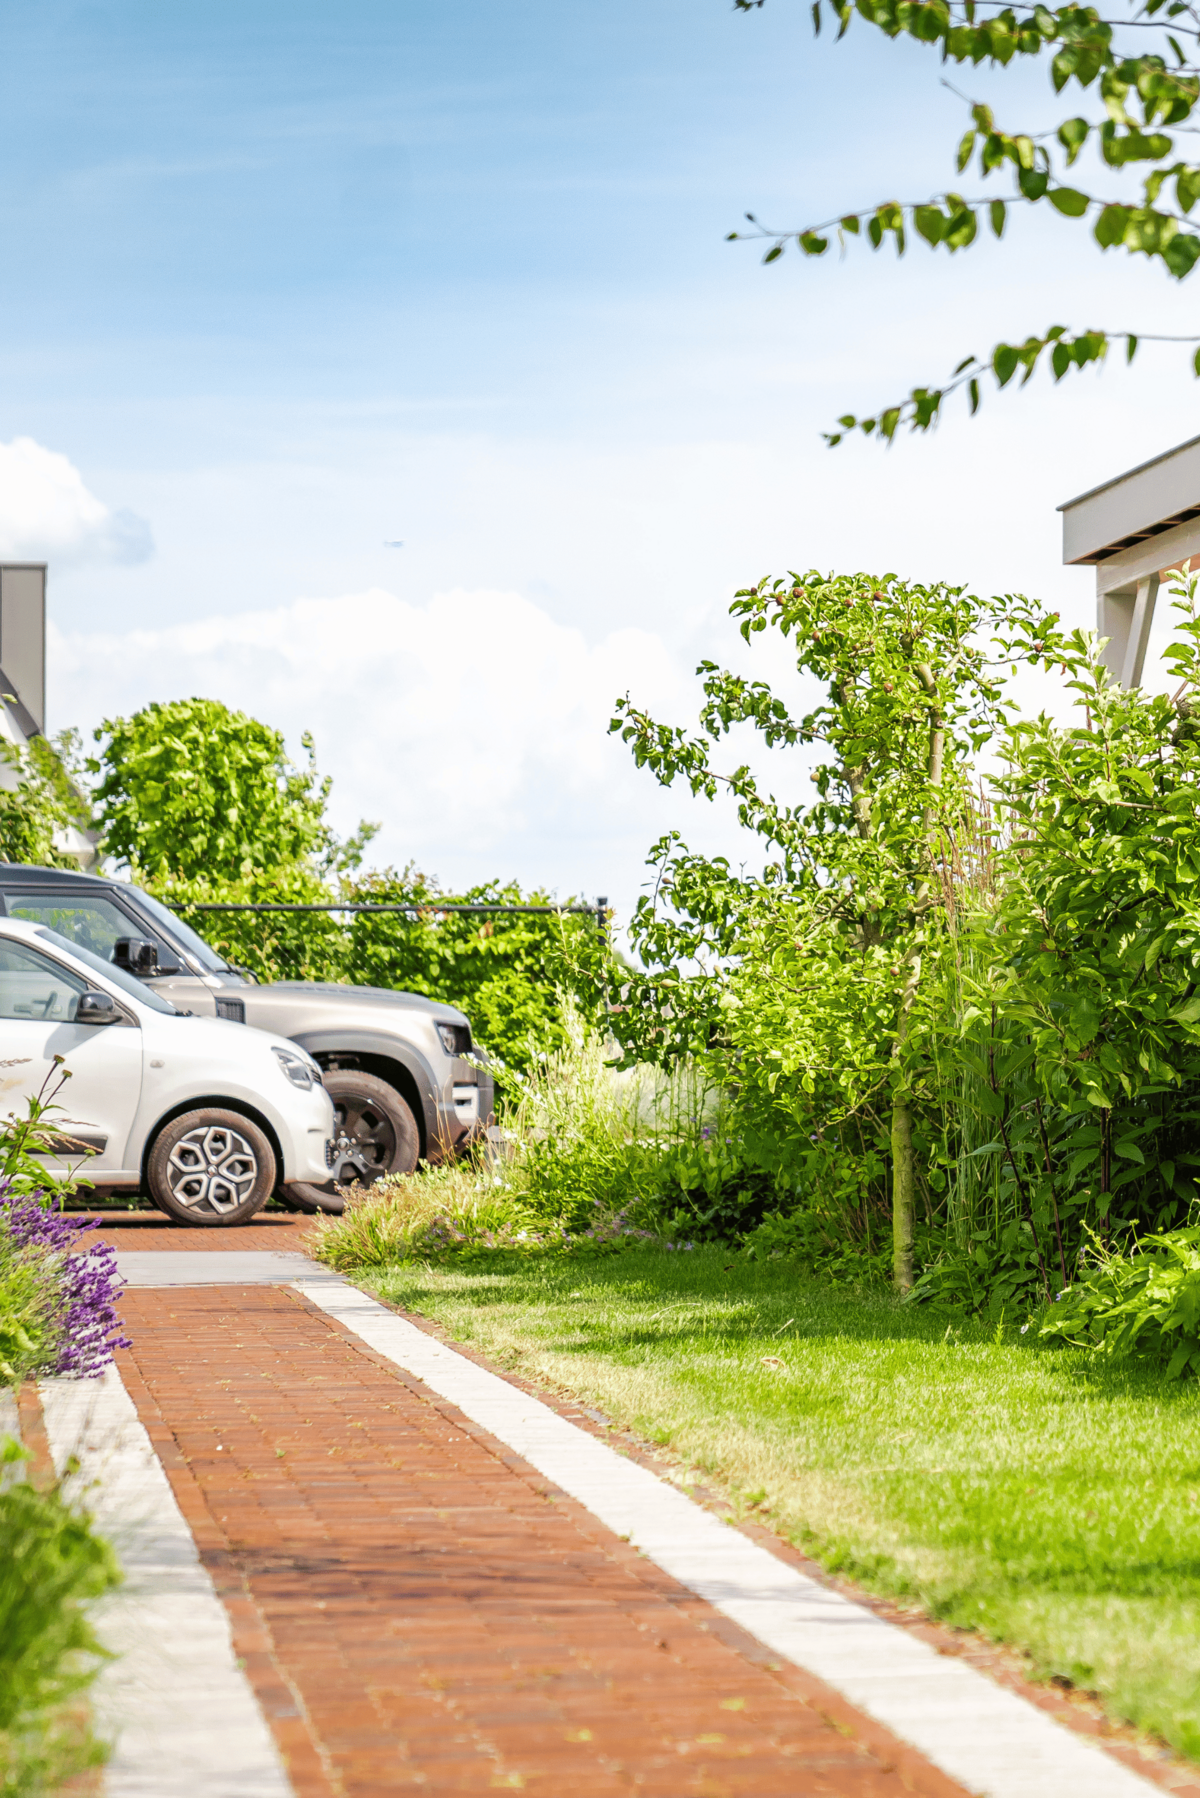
(52, 1567)
(28, 1337)
(1144, 1301)
(57, 1316)
(503, 969)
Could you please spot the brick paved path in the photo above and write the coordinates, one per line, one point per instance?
(151, 1230)
(417, 1610)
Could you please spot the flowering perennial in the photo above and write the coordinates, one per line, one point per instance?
(85, 1284)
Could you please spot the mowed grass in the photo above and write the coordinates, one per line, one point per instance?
(1041, 1496)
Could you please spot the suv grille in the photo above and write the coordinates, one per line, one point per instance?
(233, 1009)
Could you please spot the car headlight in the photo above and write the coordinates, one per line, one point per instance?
(456, 1038)
(298, 1070)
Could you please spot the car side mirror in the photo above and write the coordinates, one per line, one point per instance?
(136, 956)
(96, 1008)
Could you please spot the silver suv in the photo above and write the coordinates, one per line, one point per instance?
(407, 1082)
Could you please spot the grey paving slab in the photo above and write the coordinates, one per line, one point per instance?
(184, 1719)
(219, 1267)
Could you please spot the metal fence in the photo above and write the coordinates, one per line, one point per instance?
(599, 910)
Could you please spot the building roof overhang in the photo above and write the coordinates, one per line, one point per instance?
(1141, 504)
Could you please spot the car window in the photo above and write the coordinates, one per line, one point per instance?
(183, 933)
(91, 922)
(33, 987)
(145, 995)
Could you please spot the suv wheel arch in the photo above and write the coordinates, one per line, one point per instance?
(387, 1068)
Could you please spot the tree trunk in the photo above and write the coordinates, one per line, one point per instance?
(903, 1171)
(902, 1194)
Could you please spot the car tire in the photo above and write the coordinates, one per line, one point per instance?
(374, 1133)
(302, 1195)
(211, 1169)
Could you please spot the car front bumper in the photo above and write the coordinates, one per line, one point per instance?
(305, 1134)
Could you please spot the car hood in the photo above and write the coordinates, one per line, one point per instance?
(327, 992)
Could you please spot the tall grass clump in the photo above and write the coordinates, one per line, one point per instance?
(592, 1157)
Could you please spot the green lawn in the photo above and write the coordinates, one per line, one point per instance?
(1049, 1500)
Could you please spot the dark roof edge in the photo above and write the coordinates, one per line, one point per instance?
(1118, 478)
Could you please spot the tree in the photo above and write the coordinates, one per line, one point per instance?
(850, 915)
(1147, 91)
(41, 803)
(190, 791)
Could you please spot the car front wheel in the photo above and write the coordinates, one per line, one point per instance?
(211, 1168)
(374, 1133)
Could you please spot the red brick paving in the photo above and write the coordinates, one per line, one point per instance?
(153, 1230)
(420, 1611)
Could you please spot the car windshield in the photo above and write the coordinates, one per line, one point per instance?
(183, 933)
(128, 984)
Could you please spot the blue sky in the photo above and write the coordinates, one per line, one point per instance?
(286, 282)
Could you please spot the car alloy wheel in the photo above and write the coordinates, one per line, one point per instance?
(211, 1168)
(364, 1141)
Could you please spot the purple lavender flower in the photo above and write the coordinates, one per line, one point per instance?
(88, 1283)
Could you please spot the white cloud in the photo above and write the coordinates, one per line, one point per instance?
(474, 727)
(48, 514)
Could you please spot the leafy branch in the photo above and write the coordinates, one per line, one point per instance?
(920, 411)
(1143, 99)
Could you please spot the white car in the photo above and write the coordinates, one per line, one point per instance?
(204, 1114)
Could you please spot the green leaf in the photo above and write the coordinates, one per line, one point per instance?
(966, 146)
(998, 212)
(1004, 362)
(1069, 201)
(1187, 187)
(1109, 228)
(931, 223)
(1072, 135)
(1180, 254)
